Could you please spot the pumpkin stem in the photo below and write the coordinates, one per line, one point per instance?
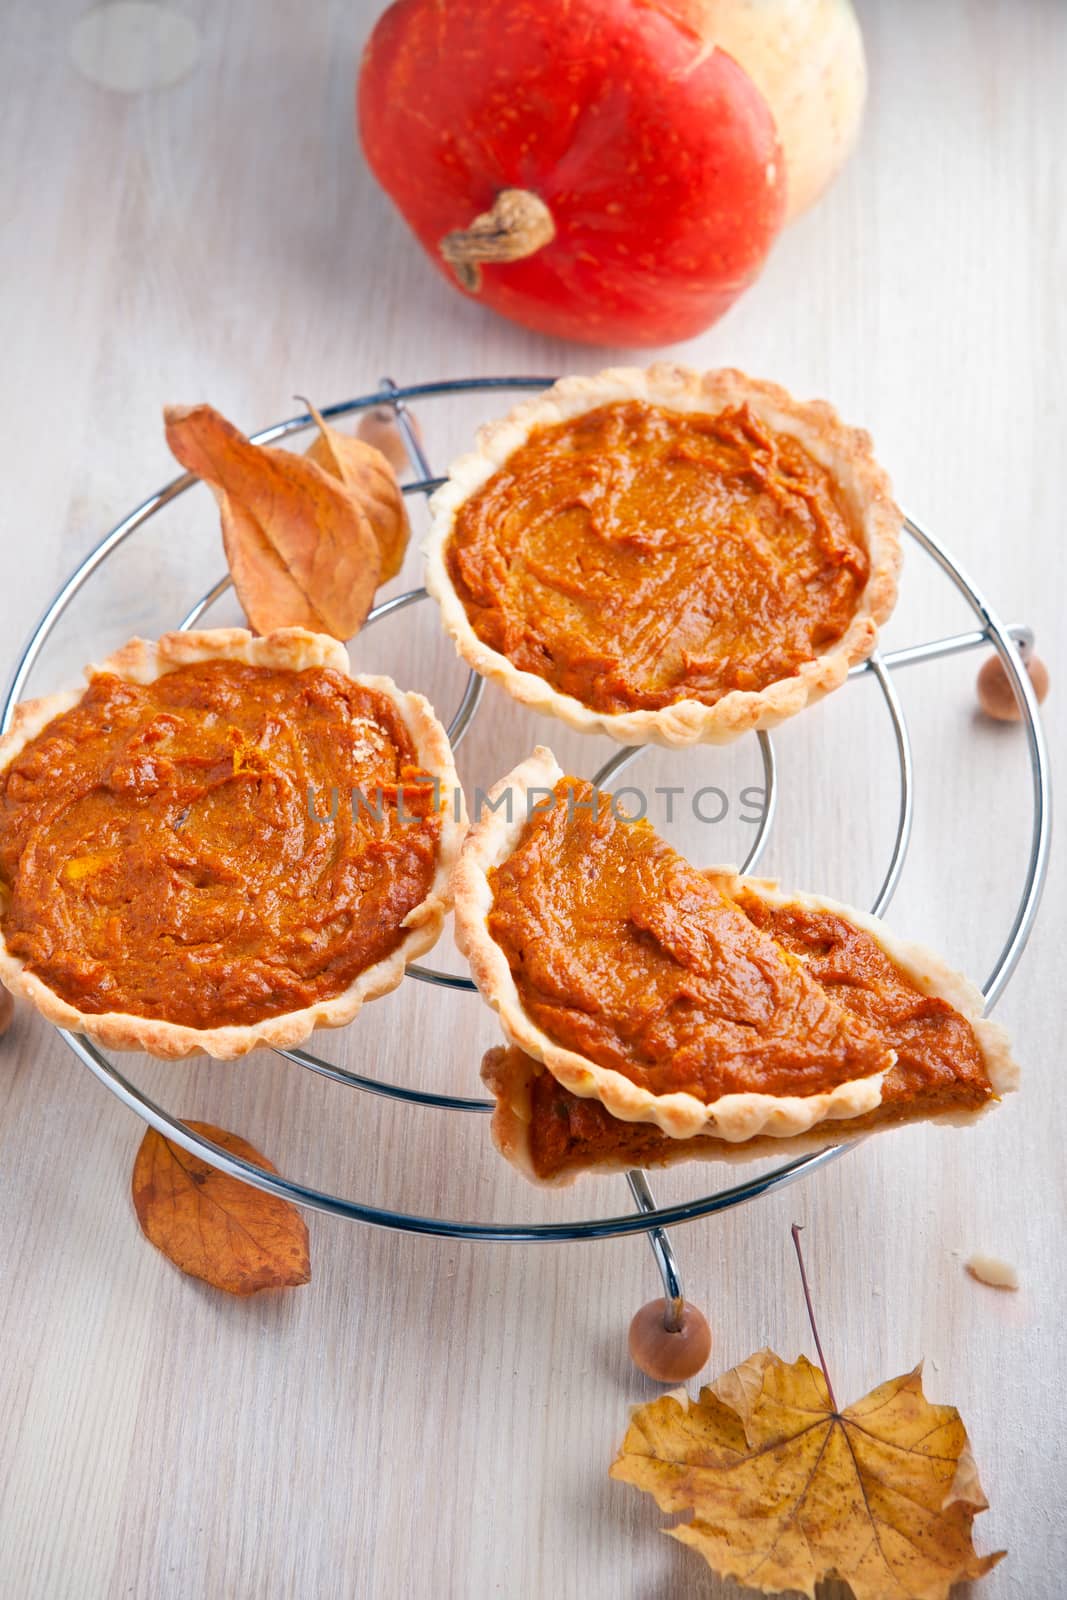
(518, 224)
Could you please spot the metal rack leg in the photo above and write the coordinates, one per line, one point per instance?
(669, 1339)
(663, 1250)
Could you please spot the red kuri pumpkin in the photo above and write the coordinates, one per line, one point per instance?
(590, 168)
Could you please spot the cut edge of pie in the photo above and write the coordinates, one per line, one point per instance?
(845, 451)
(735, 1119)
(293, 649)
(510, 1073)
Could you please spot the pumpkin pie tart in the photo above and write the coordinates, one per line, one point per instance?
(657, 1011)
(664, 555)
(223, 841)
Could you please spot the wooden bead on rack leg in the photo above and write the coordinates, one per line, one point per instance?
(378, 427)
(669, 1356)
(995, 693)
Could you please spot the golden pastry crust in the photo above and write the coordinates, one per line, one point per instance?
(733, 1117)
(142, 661)
(846, 452)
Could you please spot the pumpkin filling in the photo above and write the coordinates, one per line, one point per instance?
(633, 557)
(167, 850)
(939, 1064)
(624, 953)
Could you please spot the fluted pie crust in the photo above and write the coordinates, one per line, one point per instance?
(844, 452)
(143, 661)
(736, 1119)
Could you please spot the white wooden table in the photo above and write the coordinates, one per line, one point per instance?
(428, 1418)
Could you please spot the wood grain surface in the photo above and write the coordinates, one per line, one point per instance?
(429, 1418)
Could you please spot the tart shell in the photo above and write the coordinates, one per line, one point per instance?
(844, 451)
(734, 1118)
(292, 649)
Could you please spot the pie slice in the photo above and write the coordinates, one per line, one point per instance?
(637, 981)
(665, 556)
(222, 842)
(664, 1001)
(951, 1064)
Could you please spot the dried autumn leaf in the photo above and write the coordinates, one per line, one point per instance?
(301, 552)
(367, 474)
(211, 1225)
(785, 1490)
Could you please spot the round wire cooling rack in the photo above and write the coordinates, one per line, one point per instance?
(1012, 644)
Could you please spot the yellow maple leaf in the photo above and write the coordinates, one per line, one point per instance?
(786, 1490)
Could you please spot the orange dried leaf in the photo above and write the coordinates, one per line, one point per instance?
(368, 475)
(211, 1225)
(786, 1491)
(300, 550)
